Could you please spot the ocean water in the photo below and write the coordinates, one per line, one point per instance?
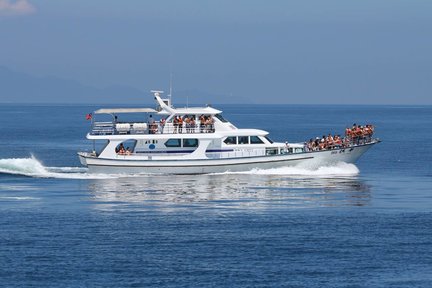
(363, 225)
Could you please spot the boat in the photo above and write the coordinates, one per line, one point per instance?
(197, 140)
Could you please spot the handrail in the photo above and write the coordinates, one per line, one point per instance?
(348, 142)
(134, 128)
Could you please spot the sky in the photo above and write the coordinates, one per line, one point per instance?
(276, 51)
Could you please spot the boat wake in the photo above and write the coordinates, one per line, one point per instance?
(340, 169)
(32, 167)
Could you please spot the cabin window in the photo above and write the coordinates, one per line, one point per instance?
(271, 151)
(255, 140)
(126, 147)
(173, 143)
(220, 117)
(190, 142)
(100, 146)
(268, 139)
(243, 140)
(232, 140)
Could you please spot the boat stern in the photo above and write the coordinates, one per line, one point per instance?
(83, 157)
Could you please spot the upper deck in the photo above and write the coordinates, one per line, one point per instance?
(163, 120)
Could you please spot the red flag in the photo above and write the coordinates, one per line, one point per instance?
(89, 116)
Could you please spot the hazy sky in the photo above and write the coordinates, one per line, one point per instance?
(318, 51)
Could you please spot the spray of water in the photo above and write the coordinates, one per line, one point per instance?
(32, 167)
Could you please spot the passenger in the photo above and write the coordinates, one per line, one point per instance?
(330, 141)
(317, 142)
(154, 129)
(359, 133)
(286, 148)
(128, 152)
(363, 134)
(192, 124)
(338, 141)
(161, 125)
(210, 124)
(347, 142)
(310, 145)
(151, 124)
(187, 124)
(207, 124)
(120, 148)
(369, 132)
(322, 145)
(175, 124)
(180, 124)
(347, 132)
(372, 129)
(202, 123)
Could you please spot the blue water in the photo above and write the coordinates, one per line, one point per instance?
(368, 225)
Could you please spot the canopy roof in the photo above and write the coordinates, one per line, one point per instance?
(125, 110)
(197, 110)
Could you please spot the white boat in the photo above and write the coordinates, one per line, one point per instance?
(157, 143)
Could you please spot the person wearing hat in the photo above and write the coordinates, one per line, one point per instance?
(286, 149)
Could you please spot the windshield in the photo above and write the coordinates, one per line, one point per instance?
(268, 139)
(220, 117)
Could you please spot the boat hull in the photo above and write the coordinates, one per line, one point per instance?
(309, 160)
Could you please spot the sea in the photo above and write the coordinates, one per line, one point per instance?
(346, 225)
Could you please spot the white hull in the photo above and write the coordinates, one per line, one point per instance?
(309, 160)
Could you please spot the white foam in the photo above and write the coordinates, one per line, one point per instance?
(31, 167)
(18, 198)
(340, 169)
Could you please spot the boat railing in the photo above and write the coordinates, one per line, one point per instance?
(236, 154)
(102, 128)
(348, 142)
(111, 128)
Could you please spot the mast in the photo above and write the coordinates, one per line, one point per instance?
(170, 88)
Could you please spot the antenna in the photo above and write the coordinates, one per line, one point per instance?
(170, 88)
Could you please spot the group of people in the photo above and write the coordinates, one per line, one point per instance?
(120, 150)
(206, 124)
(326, 143)
(355, 135)
(358, 133)
(181, 124)
(187, 121)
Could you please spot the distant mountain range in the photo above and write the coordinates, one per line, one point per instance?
(17, 87)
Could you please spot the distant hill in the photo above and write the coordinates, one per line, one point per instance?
(17, 87)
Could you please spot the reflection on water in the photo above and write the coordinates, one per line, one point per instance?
(228, 191)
